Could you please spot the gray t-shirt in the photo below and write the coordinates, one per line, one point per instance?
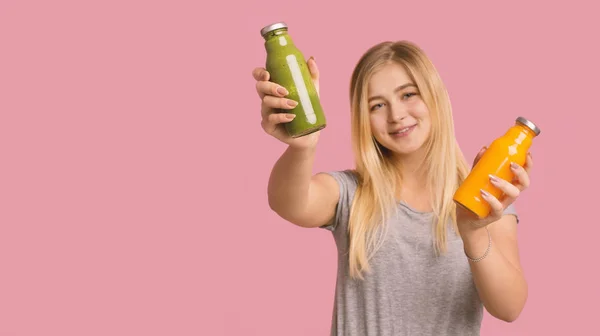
(410, 290)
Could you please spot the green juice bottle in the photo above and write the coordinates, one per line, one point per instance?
(287, 67)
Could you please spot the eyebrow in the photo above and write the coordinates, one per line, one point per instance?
(399, 88)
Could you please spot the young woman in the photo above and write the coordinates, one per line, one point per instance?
(410, 261)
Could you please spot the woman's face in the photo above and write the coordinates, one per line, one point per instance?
(400, 120)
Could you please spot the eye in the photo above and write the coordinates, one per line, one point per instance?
(376, 106)
(408, 95)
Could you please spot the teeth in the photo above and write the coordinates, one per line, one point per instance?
(403, 130)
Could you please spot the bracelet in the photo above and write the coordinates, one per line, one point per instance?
(486, 251)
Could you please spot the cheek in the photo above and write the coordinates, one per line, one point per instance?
(376, 125)
(426, 127)
(420, 110)
(378, 128)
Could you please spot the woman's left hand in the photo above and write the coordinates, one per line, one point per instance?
(467, 221)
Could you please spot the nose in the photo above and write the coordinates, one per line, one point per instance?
(397, 112)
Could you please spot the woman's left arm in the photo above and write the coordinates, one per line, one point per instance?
(492, 249)
(498, 276)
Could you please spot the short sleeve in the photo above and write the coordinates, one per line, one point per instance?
(347, 183)
(511, 210)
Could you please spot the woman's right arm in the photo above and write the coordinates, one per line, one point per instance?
(295, 194)
(298, 196)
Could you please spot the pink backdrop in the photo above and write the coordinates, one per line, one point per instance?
(133, 169)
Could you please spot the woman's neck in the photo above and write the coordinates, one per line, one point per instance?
(412, 169)
(413, 181)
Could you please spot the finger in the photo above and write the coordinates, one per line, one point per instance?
(279, 103)
(478, 156)
(496, 206)
(279, 118)
(265, 111)
(260, 74)
(314, 72)
(521, 175)
(269, 88)
(528, 163)
(271, 123)
(312, 67)
(510, 190)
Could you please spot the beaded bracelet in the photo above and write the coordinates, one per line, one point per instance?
(486, 251)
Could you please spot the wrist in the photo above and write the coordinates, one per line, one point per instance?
(473, 234)
(476, 242)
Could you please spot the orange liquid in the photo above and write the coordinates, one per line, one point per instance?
(513, 146)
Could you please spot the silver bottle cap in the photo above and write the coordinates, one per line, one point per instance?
(272, 27)
(529, 124)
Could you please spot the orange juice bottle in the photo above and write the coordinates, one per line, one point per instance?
(513, 146)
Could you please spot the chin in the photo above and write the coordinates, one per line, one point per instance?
(404, 149)
(401, 150)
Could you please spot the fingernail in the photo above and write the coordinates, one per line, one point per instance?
(282, 91)
(494, 178)
(485, 193)
(292, 103)
(514, 166)
(290, 116)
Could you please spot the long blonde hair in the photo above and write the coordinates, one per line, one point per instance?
(378, 175)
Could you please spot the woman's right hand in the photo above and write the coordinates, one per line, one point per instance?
(273, 98)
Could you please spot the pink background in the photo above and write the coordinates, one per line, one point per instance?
(133, 169)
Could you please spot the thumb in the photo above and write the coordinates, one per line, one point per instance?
(314, 71)
(481, 151)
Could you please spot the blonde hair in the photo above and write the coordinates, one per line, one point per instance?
(378, 175)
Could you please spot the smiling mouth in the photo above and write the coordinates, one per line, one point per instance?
(403, 130)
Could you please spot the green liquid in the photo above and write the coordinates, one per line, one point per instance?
(288, 68)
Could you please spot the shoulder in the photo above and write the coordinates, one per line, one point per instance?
(347, 182)
(344, 178)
